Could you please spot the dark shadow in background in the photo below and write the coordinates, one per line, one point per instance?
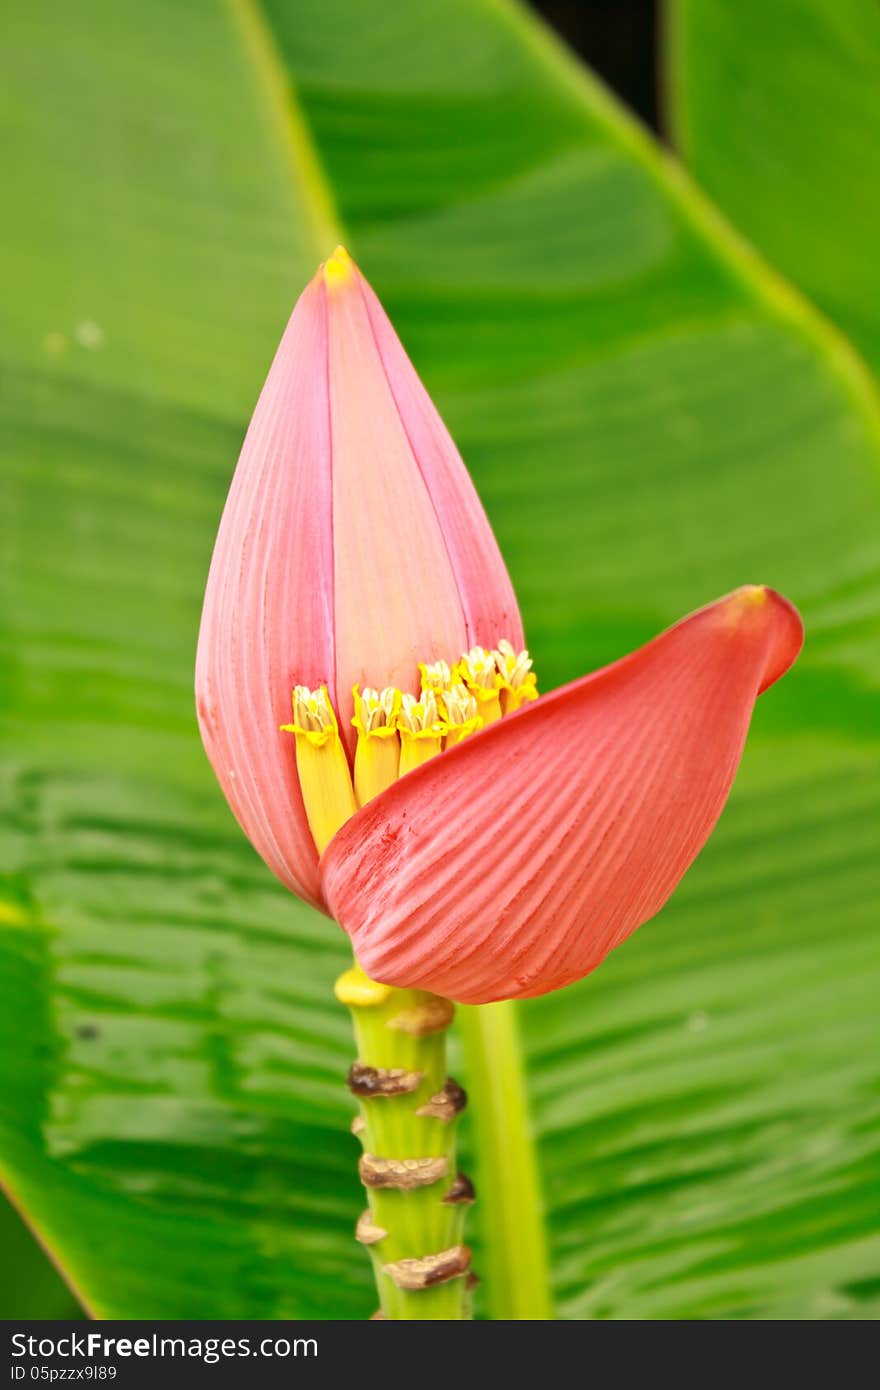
(618, 39)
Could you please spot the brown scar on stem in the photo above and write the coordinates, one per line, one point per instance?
(401, 1173)
(372, 1082)
(429, 1270)
(461, 1193)
(434, 1016)
(358, 1125)
(366, 1231)
(378, 1316)
(446, 1104)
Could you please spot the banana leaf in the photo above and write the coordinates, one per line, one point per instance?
(652, 417)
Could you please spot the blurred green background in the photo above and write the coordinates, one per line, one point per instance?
(659, 361)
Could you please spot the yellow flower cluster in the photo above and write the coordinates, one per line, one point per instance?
(396, 731)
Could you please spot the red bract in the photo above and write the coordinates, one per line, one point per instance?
(353, 548)
(515, 862)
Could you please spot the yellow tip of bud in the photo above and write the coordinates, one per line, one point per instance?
(338, 269)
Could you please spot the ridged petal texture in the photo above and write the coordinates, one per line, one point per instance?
(512, 864)
(352, 547)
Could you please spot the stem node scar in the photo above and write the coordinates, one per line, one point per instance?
(446, 1104)
(461, 1193)
(366, 1231)
(402, 1173)
(430, 1269)
(382, 1081)
(407, 1106)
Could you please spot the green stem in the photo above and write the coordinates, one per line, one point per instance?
(510, 1197)
(408, 1109)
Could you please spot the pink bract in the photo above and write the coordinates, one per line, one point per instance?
(352, 547)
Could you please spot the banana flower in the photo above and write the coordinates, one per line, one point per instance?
(473, 839)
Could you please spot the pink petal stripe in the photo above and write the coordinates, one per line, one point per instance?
(267, 621)
(514, 863)
(397, 599)
(487, 596)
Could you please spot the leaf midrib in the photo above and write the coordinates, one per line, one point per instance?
(294, 137)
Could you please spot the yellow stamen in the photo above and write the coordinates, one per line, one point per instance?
(324, 777)
(421, 730)
(478, 672)
(461, 714)
(436, 677)
(518, 681)
(377, 755)
(397, 733)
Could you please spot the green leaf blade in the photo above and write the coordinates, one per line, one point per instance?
(651, 420)
(776, 109)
